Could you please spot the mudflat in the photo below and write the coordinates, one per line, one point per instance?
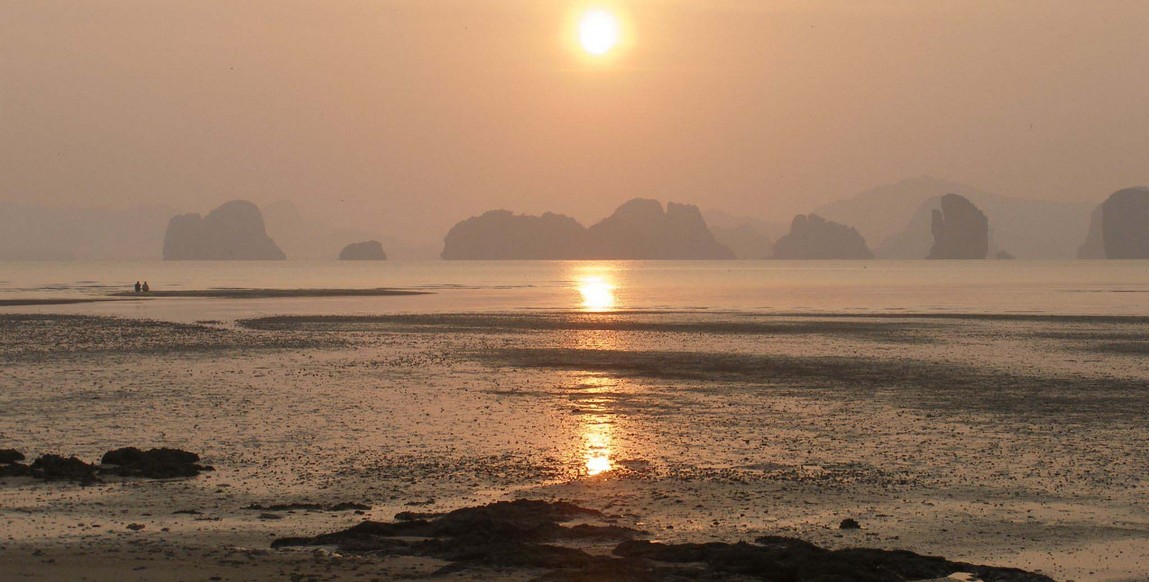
(1006, 441)
(241, 293)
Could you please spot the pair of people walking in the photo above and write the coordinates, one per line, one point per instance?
(142, 288)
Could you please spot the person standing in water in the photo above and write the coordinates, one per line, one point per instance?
(137, 286)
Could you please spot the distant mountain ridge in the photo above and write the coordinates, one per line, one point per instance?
(41, 233)
(749, 238)
(891, 218)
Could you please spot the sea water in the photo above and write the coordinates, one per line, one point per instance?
(862, 287)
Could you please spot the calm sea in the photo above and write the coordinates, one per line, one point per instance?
(1071, 287)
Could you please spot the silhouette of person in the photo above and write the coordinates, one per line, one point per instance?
(146, 288)
(137, 286)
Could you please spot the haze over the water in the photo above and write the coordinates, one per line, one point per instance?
(406, 117)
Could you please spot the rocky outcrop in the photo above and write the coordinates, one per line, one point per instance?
(639, 229)
(1119, 227)
(504, 235)
(960, 230)
(9, 456)
(160, 463)
(916, 239)
(813, 237)
(234, 231)
(525, 536)
(1125, 224)
(371, 250)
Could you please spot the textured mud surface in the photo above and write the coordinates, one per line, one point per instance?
(1012, 441)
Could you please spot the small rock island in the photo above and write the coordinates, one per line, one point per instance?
(371, 250)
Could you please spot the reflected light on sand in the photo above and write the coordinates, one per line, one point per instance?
(597, 465)
(594, 397)
(597, 437)
(597, 294)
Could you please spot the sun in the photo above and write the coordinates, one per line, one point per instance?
(597, 294)
(598, 32)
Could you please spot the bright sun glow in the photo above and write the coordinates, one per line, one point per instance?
(597, 465)
(598, 32)
(597, 294)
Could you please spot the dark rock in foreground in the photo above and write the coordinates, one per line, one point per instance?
(371, 250)
(961, 230)
(58, 468)
(522, 534)
(345, 506)
(782, 558)
(53, 468)
(126, 462)
(511, 521)
(160, 463)
(9, 456)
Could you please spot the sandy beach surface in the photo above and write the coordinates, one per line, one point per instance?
(1010, 440)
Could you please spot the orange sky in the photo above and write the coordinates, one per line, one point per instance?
(406, 117)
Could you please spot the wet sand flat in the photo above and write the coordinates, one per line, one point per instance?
(1012, 441)
(270, 293)
(45, 302)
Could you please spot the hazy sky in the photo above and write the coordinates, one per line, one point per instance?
(409, 116)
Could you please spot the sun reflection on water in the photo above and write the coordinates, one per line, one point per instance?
(597, 293)
(598, 425)
(596, 435)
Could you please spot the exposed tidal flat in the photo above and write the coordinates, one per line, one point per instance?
(1010, 441)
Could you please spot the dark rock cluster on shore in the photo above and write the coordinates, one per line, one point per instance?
(9, 456)
(523, 534)
(162, 463)
(343, 506)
